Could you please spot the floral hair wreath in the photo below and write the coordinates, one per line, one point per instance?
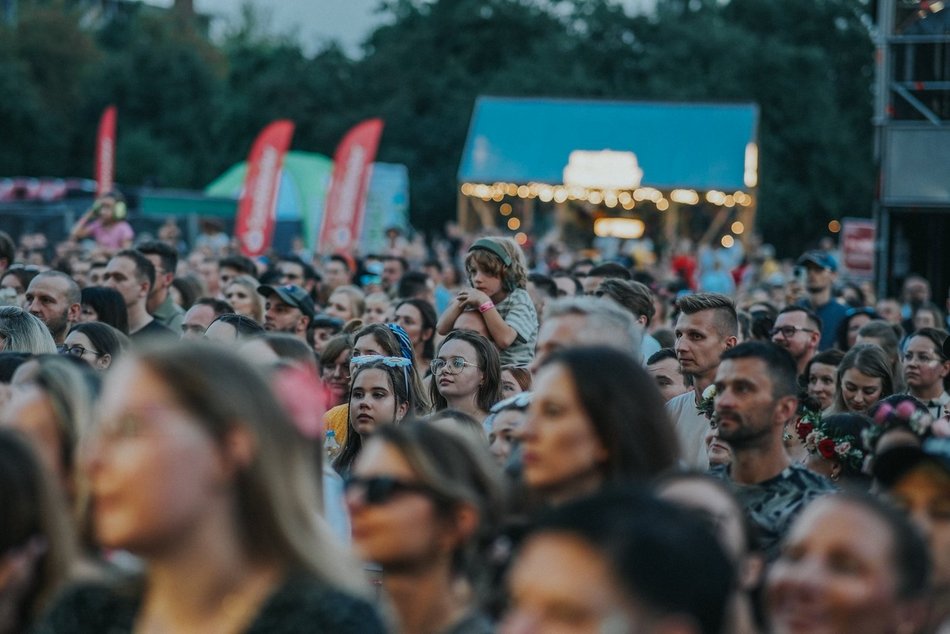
(821, 439)
(905, 415)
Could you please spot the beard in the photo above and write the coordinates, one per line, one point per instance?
(744, 435)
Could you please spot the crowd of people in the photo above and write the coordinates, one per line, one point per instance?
(479, 437)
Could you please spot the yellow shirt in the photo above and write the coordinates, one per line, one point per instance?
(338, 419)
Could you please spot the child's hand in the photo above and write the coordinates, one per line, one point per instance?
(472, 297)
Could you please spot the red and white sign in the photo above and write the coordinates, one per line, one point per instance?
(257, 207)
(105, 151)
(858, 236)
(346, 196)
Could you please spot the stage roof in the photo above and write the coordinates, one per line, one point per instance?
(698, 146)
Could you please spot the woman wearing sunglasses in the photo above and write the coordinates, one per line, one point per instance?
(196, 468)
(380, 394)
(466, 374)
(421, 499)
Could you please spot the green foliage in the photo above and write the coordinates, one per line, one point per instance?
(189, 107)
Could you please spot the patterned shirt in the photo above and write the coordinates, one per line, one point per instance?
(774, 504)
(518, 312)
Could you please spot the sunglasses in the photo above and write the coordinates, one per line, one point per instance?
(381, 489)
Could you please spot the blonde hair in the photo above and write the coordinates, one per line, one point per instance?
(277, 494)
(513, 276)
(356, 298)
(250, 285)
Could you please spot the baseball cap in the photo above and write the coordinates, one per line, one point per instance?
(292, 295)
(819, 258)
(891, 465)
(326, 321)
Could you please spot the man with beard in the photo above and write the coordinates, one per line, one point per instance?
(54, 297)
(821, 270)
(755, 396)
(798, 330)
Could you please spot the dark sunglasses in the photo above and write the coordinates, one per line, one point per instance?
(381, 489)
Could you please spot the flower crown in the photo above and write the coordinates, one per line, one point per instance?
(821, 439)
(906, 415)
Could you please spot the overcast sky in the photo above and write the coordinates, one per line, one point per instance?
(318, 21)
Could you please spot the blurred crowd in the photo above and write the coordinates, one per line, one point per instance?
(469, 436)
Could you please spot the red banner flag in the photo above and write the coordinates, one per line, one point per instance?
(105, 151)
(346, 197)
(257, 208)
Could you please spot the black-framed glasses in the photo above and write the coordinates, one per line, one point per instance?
(381, 489)
(453, 366)
(78, 351)
(788, 331)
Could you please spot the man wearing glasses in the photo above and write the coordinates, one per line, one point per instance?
(798, 330)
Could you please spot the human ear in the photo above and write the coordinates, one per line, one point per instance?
(239, 449)
(104, 361)
(401, 411)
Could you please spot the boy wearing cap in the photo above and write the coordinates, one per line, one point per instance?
(918, 481)
(288, 309)
(821, 270)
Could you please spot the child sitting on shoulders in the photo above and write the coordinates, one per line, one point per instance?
(498, 274)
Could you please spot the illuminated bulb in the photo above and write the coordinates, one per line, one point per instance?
(514, 224)
(523, 191)
(727, 241)
(662, 204)
(505, 209)
(521, 237)
(738, 228)
(595, 197)
(834, 226)
(467, 189)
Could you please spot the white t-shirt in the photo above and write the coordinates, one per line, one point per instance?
(691, 428)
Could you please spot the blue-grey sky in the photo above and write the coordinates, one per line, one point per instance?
(317, 21)
(314, 22)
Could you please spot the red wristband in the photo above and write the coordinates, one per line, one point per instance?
(487, 306)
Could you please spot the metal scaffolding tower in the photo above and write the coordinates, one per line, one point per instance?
(912, 145)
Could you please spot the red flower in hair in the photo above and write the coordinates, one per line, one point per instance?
(804, 428)
(826, 447)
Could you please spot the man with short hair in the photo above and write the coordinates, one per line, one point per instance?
(567, 285)
(132, 274)
(585, 321)
(160, 303)
(288, 309)
(638, 299)
(756, 395)
(706, 327)
(55, 299)
(665, 370)
(798, 330)
(541, 289)
(232, 266)
(204, 311)
(821, 270)
(97, 271)
(607, 270)
(394, 267)
(336, 273)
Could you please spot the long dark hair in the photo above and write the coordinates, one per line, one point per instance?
(402, 393)
(625, 409)
(489, 363)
